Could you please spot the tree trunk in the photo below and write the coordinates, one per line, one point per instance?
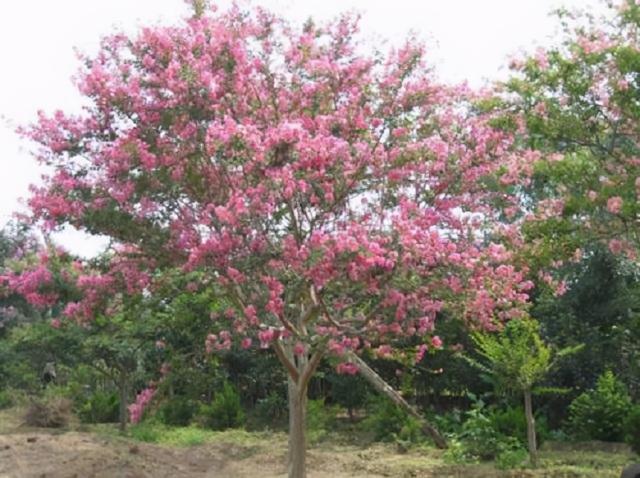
(383, 387)
(531, 428)
(123, 389)
(297, 428)
(300, 369)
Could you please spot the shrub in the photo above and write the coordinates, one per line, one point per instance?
(348, 391)
(177, 412)
(480, 438)
(320, 419)
(271, 410)
(388, 422)
(600, 414)
(224, 411)
(6, 399)
(457, 452)
(53, 412)
(100, 407)
(449, 423)
(511, 458)
(384, 419)
(632, 429)
(511, 422)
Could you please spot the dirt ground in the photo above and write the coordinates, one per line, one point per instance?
(43, 453)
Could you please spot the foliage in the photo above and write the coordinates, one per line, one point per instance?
(270, 410)
(147, 431)
(348, 391)
(100, 407)
(6, 399)
(511, 458)
(387, 422)
(576, 99)
(479, 437)
(517, 357)
(225, 411)
(320, 419)
(383, 418)
(511, 421)
(601, 310)
(177, 411)
(632, 429)
(600, 414)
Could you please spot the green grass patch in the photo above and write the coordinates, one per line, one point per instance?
(155, 432)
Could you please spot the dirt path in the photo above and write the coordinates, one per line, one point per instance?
(43, 454)
(74, 453)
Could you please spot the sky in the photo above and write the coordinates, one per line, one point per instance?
(468, 40)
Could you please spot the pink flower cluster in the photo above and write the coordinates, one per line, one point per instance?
(143, 399)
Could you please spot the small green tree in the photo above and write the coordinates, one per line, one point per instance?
(517, 359)
(601, 413)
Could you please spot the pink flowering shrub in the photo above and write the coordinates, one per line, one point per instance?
(142, 401)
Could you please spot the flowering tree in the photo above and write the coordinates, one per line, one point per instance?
(578, 104)
(52, 281)
(335, 199)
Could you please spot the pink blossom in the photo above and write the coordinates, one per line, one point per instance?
(422, 350)
(616, 246)
(436, 342)
(142, 401)
(266, 337)
(542, 59)
(614, 204)
(347, 368)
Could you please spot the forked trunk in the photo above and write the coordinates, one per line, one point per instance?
(531, 428)
(300, 368)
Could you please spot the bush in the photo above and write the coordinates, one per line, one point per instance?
(600, 414)
(632, 429)
(271, 410)
(512, 422)
(458, 453)
(177, 412)
(6, 399)
(224, 412)
(384, 419)
(388, 422)
(448, 423)
(100, 407)
(54, 412)
(348, 391)
(513, 458)
(481, 440)
(320, 419)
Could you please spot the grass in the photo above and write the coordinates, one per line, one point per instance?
(152, 431)
(385, 458)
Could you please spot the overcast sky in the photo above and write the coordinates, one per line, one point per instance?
(468, 39)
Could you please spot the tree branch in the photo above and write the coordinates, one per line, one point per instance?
(284, 360)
